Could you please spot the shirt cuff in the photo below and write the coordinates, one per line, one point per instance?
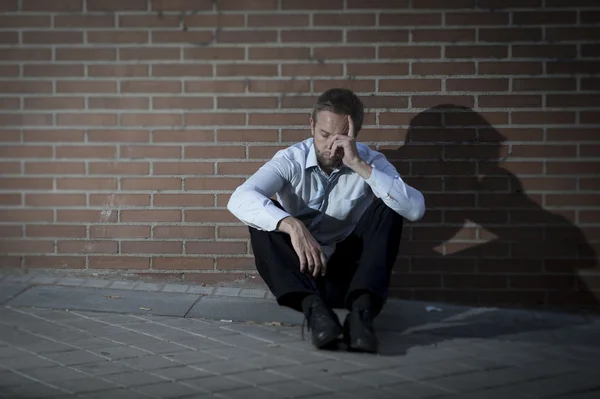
(275, 215)
(380, 182)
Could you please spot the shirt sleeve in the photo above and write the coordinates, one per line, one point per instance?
(251, 202)
(386, 183)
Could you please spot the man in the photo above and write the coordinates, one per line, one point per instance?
(331, 238)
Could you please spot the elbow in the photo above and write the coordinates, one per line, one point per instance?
(418, 210)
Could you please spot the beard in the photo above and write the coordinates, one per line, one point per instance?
(328, 161)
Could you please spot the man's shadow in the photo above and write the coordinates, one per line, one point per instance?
(484, 241)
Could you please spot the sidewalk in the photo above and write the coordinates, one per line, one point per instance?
(93, 338)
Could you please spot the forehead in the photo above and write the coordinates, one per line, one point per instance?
(328, 120)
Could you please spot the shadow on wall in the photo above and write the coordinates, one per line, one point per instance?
(484, 240)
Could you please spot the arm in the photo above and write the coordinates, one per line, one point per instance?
(251, 201)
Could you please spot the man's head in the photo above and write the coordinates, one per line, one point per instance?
(329, 118)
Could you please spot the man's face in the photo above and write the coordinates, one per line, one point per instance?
(324, 131)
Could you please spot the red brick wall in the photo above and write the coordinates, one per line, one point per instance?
(125, 126)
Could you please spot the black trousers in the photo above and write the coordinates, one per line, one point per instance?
(361, 263)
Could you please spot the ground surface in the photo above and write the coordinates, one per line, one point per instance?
(92, 338)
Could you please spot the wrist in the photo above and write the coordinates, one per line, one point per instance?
(362, 168)
(289, 225)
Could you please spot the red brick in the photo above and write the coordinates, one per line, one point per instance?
(151, 247)
(58, 231)
(11, 37)
(151, 215)
(216, 247)
(25, 151)
(376, 4)
(148, 54)
(119, 200)
(510, 68)
(444, 168)
(516, 167)
(479, 52)
(344, 19)
(238, 168)
(589, 150)
(246, 102)
(213, 184)
(26, 215)
(119, 168)
(86, 151)
(10, 167)
(344, 52)
(118, 262)
(180, 70)
(86, 183)
(477, 18)
(182, 5)
(183, 168)
(543, 183)
(147, 20)
(572, 33)
(432, 101)
(26, 246)
(215, 87)
(182, 102)
(544, 51)
(122, 136)
(86, 54)
(183, 263)
(111, 231)
(87, 246)
(48, 103)
(69, 168)
(187, 200)
(150, 86)
(55, 262)
(9, 5)
(11, 232)
(117, 5)
(38, 70)
(18, 119)
(544, 17)
(443, 68)
(379, 69)
(117, 37)
(52, 37)
(89, 216)
(9, 71)
(543, 117)
(193, 232)
(246, 135)
(26, 54)
(409, 19)
(213, 20)
(86, 119)
(509, 34)
(235, 263)
(299, 70)
(186, 136)
(500, 4)
(83, 21)
(54, 5)
(23, 87)
(544, 151)
(154, 119)
(592, 84)
(572, 67)
(10, 136)
(118, 103)
(373, 36)
(312, 5)
(264, 152)
(544, 84)
(233, 232)
(150, 151)
(10, 199)
(179, 36)
(281, 20)
(443, 35)
(510, 101)
(25, 183)
(572, 100)
(10, 103)
(571, 200)
(245, 36)
(208, 119)
(278, 119)
(475, 85)
(214, 152)
(590, 17)
(589, 117)
(82, 86)
(209, 215)
(280, 53)
(151, 183)
(573, 168)
(118, 70)
(246, 70)
(278, 86)
(410, 52)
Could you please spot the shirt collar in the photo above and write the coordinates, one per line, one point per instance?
(311, 159)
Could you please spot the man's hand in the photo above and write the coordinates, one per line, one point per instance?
(306, 247)
(345, 146)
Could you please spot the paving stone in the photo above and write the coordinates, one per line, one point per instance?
(134, 379)
(10, 290)
(33, 390)
(252, 393)
(268, 362)
(44, 280)
(160, 347)
(119, 319)
(296, 388)
(83, 385)
(51, 374)
(327, 368)
(417, 390)
(90, 343)
(260, 377)
(119, 352)
(148, 287)
(175, 288)
(242, 340)
(253, 293)
(103, 368)
(70, 281)
(11, 351)
(116, 394)
(95, 283)
(181, 373)
(47, 347)
(228, 366)
(219, 383)
(151, 362)
(560, 385)
(122, 285)
(233, 352)
(8, 378)
(195, 289)
(167, 390)
(26, 362)
(372, 378)
(73, 357)
(18, 278)
(191, 357)
(224, 291)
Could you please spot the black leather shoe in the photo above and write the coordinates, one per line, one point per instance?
(322, 321)
(359, 334)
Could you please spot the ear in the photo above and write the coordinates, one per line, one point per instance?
(312, 125)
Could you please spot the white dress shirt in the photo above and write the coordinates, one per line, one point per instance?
(329, 205)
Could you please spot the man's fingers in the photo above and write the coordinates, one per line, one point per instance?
(351, 132)
(323, 263)
(302, 261)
